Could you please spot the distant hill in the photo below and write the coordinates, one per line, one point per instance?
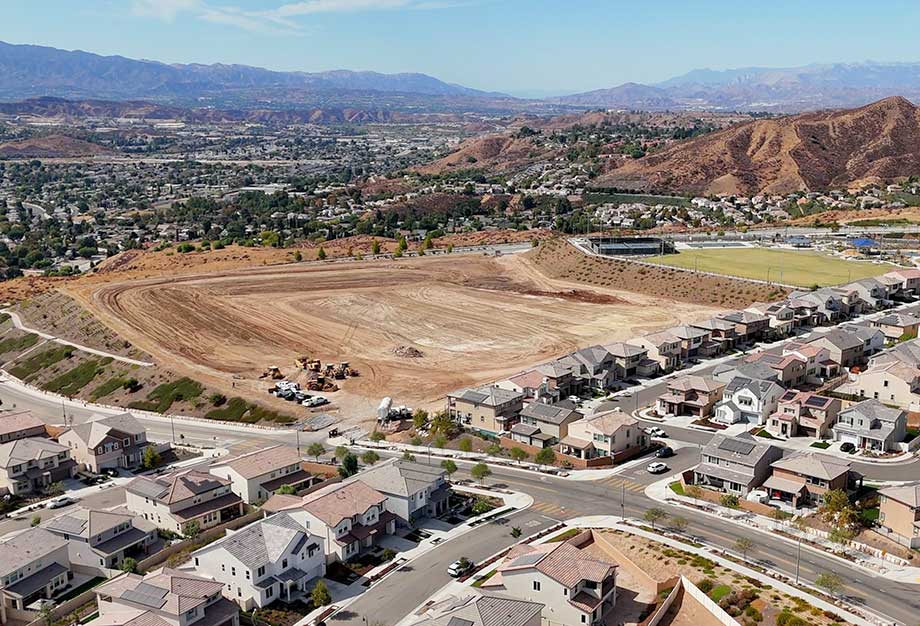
(51, 146)
(28, 71)
(811, 151)
(794, 89)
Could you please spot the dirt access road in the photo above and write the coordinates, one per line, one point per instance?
(474, 319)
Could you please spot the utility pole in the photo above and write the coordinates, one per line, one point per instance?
(623, 501)
(798, 558)
(63, 412)
(172, 426)
(297, 434)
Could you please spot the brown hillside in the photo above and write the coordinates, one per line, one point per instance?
(50, 147)
(813, 151)
(493, 152)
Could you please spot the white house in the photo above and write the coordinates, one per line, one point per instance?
(270, 559)
(177, 500)
(414, 491)
(256, 475)
(748, 400)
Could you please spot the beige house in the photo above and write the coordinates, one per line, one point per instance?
(106, 442)
(803, 414)
(174, 501)
(804, 477)
(898, 325)
(899, 513)
(610, 437)
(691, 395)
(543, 425)
(31, 465)
(491, 410)
(256, 475)
(20, 425)
(663, 348)
(893, 377)
(34, 564)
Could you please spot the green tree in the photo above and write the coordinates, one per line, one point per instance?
(654, 515)
(466, 445)
(744, 545)
(36, 520)
(494, 449)
(129, 565)
(151, 458)
(546, 456)
(419, 418)
(377, 436)
(841, 535)
(298, 256)
(321, 254)
(403, 245)
(449, 466)
(440, 441)
(370, 457)
(192, 530)
(519, 454)
(340, 452)
(316, 450)
(349, 466)
(481, 507)
(408, 456)
(679, 523)
(515, 531)
(320, 594)
(375, 247)
(480, 472)
(837, 509)
(388, 554)
(829, 582)
(286, 490)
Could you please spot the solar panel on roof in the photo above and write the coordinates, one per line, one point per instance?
(738, 447)
(459, 621)
(527, 559)
(815, 401)
(146, 595)
(789, 395)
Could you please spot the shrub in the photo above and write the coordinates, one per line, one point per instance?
(706, 585)
(72, 381)
(163, 396)
(729, 500)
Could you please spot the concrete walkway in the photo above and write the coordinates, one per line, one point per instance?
(17, 323)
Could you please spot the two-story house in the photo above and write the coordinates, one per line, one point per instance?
(255, 476)
(182, 499)
(488, 409)
(661, 347)
(720, 331)
(29, 466)
(106, 441)
(899, 513)
(34, 564)
(803, 414)
(870, 425)
(690, 395)
(604, 438)
(20, 424)
(274, 558)
(898, 325)
(628, 360)
(909, 278)
(750, 326)
(164, 597)
(804, 477)
(747, 400)
(573, 585)
(593, 366)
(414, 491)
(477, 610)
(103, 539)
(543, 425)
(735, 465)
(694, 342)
(849, 346)
(789, 368)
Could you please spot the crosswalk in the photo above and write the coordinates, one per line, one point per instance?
(559, 512)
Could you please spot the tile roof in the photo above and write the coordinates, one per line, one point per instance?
(94, 431)
(561, 561)
(875, 410)
(908, 494)
(551, 414)
(264, 541)
(487, 395)
(17, 421)
(608, 422)
(625, 350)
(168, 590)
(259, 462)
(26, 547)
(402, 478)
(30, 449)
(490, 610)
(695, 383)
(813, 464)
(334, 503)
(177, 486)
(83, 522)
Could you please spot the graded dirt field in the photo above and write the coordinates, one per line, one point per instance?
(473, 318)
(794, 267)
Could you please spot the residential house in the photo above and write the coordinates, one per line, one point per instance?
(573, 585)
(747, 400)
(874, 294)
(690, 395)
(414, 491)
(103, 539)
(870, 425)
(803, 414)
(819, 366)
(593, 366)
(694, 342)
(789, 368)
(350, 517)
(630, 361)
(735, 465)
(661, 347)
(750, 326)
(106, 441)
(163, 597)
(532, 384)
(898, 325)
(274, 558)
(487, 409)
(726, 372)
(608, 437)
(29, 466)
(910, 280)
(781, 316)
(899, 513)
(34, 564)
(543, 425)
(255, 476)
(826, 305)
(849, 345)
(477, 610)
(804, 477)
(720, 331)
(559, 376)
(893, 376)
(182, 499)
(20, 424)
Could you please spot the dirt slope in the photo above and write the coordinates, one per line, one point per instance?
(813, 151)
(52, 146)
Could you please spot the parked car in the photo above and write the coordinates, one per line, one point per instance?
(315, 401)
(56, 503)
(664, 453)
(656, 468)
(459, 567)
(846, 446)
(654, 431)
(110, 471)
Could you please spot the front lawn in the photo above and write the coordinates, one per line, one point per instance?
(678, 488)
(719, 592)
(821, 445)
(480, 581)
(565, 535)
(73, 593)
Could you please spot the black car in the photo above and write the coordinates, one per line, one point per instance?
(847, 447)
(664, 453)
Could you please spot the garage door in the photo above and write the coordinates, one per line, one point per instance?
(846, 438)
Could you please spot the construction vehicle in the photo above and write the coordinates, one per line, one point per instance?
(387, 413)
(272, 372)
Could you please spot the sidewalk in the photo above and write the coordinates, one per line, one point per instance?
(661, 492)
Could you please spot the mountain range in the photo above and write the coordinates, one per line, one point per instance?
(29, 71)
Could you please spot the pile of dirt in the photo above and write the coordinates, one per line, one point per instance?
(51, 146)
(559, 259)
(408, 352)
(812, 151)
(492, 237)
(26, 287)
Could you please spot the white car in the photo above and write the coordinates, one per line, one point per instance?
(315, 401)
(654, 431)
(58, 502)
(459, 567)
(656, 468)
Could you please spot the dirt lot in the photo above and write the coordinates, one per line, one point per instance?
(474, 319)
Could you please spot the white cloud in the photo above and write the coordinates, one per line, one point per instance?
(165, 10)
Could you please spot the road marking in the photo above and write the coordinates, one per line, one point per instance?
(621, 483)
(554, 510)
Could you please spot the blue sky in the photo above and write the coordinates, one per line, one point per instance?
(517, 46)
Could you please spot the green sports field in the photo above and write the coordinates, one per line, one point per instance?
(794, 267)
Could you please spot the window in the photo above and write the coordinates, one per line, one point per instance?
(233, 571)
(196, 561)
(536, 585)
(284, 564)
(260, 572)
(584, 618)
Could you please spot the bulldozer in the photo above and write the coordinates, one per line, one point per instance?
(306, 363)
(272, 372)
